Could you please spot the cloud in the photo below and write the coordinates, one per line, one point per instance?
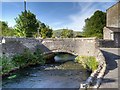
(77, 20)
(86, 10)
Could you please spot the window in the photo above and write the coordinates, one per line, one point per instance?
(112, 36)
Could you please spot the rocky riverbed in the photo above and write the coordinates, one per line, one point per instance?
(59, 75)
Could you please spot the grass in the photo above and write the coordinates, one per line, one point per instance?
(88, 62)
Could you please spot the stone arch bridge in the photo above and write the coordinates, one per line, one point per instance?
(76, 46)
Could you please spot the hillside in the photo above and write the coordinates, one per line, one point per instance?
(57, 33)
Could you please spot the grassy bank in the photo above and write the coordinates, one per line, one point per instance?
(88, 62)
(21, 60)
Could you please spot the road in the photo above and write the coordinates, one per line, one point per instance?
(112, 56)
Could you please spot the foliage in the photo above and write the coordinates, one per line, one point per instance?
(87, 62)
(6, 31)
(26, 24)
(57, 33)
(21, 60)
(45, 31)
(39, 56)
(77, 34)
(67, 33)
(13, 76)
(95, 24)
(28, 58)
(6, 64)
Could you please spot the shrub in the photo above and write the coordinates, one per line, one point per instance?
(39, 56)
(87, 62)
(21, 60)
(28, 58)
(6, 64)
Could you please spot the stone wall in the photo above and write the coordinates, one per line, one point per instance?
(117, 39)
(106, 44)
(107, 34)
(113, 16)
(17, 45)
(77, 46)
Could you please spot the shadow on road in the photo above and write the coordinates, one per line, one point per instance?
(108, 80)
(112, 63)
(111, 60)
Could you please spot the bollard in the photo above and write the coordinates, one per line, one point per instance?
(98, 83)
(87, 83)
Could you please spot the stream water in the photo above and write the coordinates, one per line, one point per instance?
(67, 74)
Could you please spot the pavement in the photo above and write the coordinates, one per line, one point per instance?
(112, 56)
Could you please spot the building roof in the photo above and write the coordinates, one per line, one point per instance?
(114, 29)
(113, 5)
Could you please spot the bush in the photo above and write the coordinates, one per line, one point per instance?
(20, 60)
(39, 56)
(6, 64)
(28, 58)
(87, 62)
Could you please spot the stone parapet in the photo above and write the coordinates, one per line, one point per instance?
(77, 46)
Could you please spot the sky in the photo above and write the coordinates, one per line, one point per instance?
(57, 15)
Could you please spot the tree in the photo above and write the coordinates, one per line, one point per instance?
(67, 33)
(46, 32)
(6, 31)
(26, 24)
(95, 24)
(49, 33)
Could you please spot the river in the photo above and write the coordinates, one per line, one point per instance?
(67, 74)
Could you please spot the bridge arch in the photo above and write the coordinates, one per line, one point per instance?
(65, 51)
(61, 51)
(75, 46)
